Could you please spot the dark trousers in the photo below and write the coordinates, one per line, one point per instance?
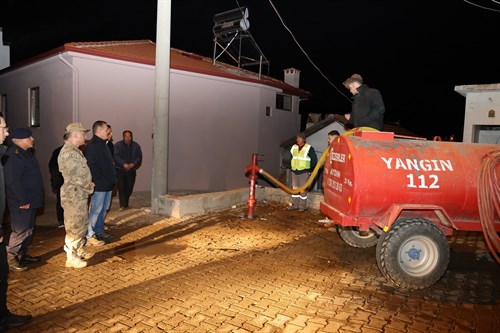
(4, 274)
(59, 209)
(22, 224)
(126, 181)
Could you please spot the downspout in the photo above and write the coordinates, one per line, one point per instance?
(75, 88)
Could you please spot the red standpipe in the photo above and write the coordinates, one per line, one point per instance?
(253, 169)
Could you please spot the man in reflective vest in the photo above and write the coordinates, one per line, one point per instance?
(303, 161)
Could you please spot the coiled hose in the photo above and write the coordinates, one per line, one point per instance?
(488, 200)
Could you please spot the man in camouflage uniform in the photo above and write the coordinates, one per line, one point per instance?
(75, 191)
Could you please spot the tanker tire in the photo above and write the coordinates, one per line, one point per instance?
(380, 242)
(353, 237)
(414, 254)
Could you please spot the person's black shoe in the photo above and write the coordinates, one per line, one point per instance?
(14, 320)
(15, 264)
(27, 259)
(104, 237)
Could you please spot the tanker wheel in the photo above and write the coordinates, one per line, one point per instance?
(356, 238)
(381, 240)
(414, 254)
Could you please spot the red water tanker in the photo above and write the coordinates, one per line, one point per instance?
(404, 196)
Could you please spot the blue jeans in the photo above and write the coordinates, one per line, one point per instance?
(99, 205)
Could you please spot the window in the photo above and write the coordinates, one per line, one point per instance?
(269, 111)
(3, 106)
(34, 107)
(284, 102)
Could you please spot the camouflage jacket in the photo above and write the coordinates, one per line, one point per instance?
(76, 173)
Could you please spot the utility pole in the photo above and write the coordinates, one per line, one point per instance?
(159, 181)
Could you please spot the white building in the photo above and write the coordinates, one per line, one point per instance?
(219, 115)
(482, 112)
(4, 52)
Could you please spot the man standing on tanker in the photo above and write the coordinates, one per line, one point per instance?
(75, 192)
(367, 106)
(303, 161)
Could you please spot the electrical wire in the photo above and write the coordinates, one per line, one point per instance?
(488, 200)
(483, 7)
(305, 53)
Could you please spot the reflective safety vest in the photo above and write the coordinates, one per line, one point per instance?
(300, 158)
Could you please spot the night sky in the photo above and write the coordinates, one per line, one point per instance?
(414, 52)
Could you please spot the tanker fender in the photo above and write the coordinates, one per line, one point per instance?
(434, 213)
(382, 223)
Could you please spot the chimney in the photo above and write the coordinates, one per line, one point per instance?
(292, 77)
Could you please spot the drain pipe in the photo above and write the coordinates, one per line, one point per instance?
(75, 88)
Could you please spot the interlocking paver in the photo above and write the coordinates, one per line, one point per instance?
(219, 272)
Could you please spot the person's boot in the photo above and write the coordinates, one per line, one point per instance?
(302, 204)
(93, 241)
(15, 264)
(84, 254)
(103, 236)
(26, 259)
(75, 262)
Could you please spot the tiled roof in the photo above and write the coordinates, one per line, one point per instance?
(144, 51)
(141, 51)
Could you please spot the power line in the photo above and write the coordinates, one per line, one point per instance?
(302, 49)
(483, 7)
(305, 53)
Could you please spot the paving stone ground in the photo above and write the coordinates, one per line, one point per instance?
(222, 272)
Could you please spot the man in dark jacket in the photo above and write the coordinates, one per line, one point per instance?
(7, 319)
(56, 181)
(367, 107)
(101, 165)
(128, 158)
(24, 189)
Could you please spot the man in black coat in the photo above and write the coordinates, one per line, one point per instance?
(56, 181)
(24, 189)
(7, 319)
(102, 168)
(367, 107)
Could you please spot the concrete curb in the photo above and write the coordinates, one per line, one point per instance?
(180, 206)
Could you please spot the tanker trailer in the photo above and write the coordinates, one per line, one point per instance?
(404, 197)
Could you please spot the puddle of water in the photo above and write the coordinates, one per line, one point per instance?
(134, 250)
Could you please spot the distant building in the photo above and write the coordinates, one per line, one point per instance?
(317, 129)
(482, 112)
(219, 115)
(4, 52)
